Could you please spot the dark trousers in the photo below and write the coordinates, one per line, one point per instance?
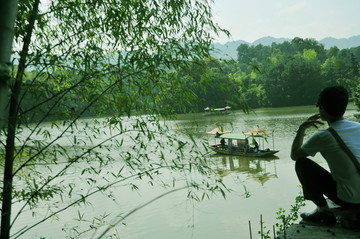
(317, 183)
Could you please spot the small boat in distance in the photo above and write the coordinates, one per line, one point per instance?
(218, 131)
(217, 111)
(244, 144)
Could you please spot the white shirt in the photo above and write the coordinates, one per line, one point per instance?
(342, 168)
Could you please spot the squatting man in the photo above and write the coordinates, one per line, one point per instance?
(342, 184)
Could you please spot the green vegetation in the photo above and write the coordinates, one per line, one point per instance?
(286, 74)
(285, 219)
(120, 62)
(292, 73)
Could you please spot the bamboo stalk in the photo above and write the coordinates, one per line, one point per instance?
(261, 223)
(250, 229)
(274, 232)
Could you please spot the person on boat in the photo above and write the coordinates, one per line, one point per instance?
(246, 145)
(256, 147)
(222, 142)
(342, 184)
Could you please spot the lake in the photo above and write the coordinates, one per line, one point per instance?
(259, 186)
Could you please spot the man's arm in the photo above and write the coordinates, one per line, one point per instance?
(296, 151)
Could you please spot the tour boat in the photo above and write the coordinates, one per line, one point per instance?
(245, 144)
(217, 111)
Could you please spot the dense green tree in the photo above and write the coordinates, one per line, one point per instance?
(342, 69)
(256, 54)
(332, 52)
(285, 48)
(356, 52)
(252, 93)
(221, 90)
(292, 72)
(243, 52)
(210, 82)
(260, 52)
(306, 44)
(329, 71)
(357, 96)
(291, 80)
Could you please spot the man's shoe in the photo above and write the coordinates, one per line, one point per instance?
(318, 217)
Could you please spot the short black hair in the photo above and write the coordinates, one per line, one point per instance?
(334, 100)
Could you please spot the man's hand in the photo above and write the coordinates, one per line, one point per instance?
(296, 151)
(311, 121)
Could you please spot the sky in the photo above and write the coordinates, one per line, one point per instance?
(250, 20)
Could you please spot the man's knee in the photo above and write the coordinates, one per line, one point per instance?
(302, 164)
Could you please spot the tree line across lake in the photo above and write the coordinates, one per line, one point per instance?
(286, 74)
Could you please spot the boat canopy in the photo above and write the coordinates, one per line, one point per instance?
(232, 136)
(226, 108)
(258, 132)
(219, 130)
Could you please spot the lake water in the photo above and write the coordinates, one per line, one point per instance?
(259, 187)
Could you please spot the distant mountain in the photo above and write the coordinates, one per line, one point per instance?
(341, 43)
(267, 41)
(228, 50)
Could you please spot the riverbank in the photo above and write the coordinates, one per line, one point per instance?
(301, 231)
(347, 218)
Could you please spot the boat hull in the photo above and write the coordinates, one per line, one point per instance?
(235, 152)
(212, 113)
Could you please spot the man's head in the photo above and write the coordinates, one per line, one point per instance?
(333, 100)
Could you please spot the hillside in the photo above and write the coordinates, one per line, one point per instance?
(228, 50)
(341, 43)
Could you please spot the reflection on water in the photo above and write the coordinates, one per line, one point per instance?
(258, 169)
(271, 182)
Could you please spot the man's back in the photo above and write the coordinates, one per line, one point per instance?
(341, 166)
(349, 132)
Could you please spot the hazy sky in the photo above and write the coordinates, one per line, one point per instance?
(250, 20)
